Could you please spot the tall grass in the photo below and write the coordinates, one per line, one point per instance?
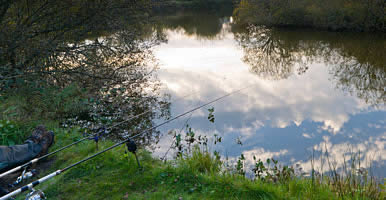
(351, 179)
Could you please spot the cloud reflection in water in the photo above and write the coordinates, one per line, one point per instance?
(283, 118)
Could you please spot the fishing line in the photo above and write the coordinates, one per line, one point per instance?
(175, 135)
(179, 132)
(86, 138)
(20, 167)
(49, 176)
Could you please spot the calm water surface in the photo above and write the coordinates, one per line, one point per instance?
(314, 90)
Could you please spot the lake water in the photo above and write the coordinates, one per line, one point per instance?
(313, 91)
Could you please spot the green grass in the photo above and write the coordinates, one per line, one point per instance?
(200, 175)
(114, 175)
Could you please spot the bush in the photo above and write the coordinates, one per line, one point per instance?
(43, 103)
(10, 133)
(357, 15)
(201, 161)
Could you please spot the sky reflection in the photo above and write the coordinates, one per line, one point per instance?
(284, 118)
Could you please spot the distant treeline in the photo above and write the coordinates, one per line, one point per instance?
(356, 15)
(194, 4)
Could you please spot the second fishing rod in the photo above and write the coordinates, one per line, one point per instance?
(60, 171)
(94, 136)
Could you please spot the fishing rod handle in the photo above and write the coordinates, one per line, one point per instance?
(42, 157)
(31, 185)
(19, 167)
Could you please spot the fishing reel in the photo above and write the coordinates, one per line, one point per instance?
(24, 175)
(35, 195)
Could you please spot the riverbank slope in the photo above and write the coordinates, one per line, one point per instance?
(200, 175)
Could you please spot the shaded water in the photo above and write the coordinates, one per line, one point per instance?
(314, 90)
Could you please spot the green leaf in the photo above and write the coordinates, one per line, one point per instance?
(11, 143)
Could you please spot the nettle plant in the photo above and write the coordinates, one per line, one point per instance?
(10, 133)
(185, 143)
(272, 171)
(240, 165)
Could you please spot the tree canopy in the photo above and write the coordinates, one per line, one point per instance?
(358, 15)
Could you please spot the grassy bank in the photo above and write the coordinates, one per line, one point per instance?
(195, 174)
(115, 175)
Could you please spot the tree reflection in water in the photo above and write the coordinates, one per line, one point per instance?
(203, 25)
(269, 56)
(356, 61)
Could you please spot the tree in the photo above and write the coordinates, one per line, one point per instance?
(357, 15)
(103, 47)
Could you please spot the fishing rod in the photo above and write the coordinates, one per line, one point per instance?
(60, 171)
(179, 132)
(83, 139)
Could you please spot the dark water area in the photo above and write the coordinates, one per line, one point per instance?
(314, 91)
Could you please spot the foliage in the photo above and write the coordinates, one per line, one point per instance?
(358, 15)
(121, 113)
(100, 77)
(201, 161)
(114, 175)
(196, 174)
(74, 106)
(10, 133)
(47, 102)
(355, 61)
(192, 142)
(83, 42)
(156, 180)
(86, 63)
(211, 115)
(274, 173)
(46, 39)
(240, 165)
(352, 179)
(197, 4)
